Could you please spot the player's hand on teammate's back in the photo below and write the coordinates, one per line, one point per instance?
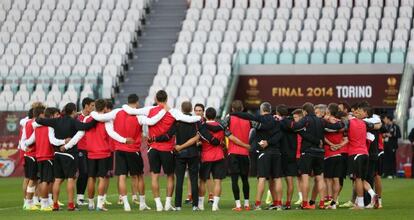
(62, 148)
(129, 141)
(178, 148)
(263, 144)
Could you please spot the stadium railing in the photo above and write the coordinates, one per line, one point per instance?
(404, 96)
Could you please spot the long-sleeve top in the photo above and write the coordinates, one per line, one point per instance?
(240, 128)
(392, 142)
(267, 129)
(183, 132)
(65, 127)
(314, 127)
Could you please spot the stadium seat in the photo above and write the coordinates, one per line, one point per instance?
(365, 57)
(286, 58)
(270, 58)
(302, 58)
(381, 57)
(241, 58)
(333, 57)
(397, 57)
(349, 57)
(317, 58)
(255, 58)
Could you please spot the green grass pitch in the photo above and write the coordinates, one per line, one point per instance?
(398, 197)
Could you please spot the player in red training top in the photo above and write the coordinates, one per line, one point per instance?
(88, 105)
(160, 154)
(44, 139)
(30, 163)
(212, 162)
(358, 155)
(334, 141)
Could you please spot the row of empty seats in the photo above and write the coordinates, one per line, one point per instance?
(332, 57)
(214, 4)
(23, 99)
(66, 46)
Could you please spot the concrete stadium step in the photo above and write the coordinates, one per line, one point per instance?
(157, 40)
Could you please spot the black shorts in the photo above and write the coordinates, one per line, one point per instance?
(216, 168)
(289, 167)
(311, 164)
(269, 165)
(158, 159)
(83, 162)
(380, 164)
(238, 164)
(358, 166)
(46, 171)
(30, 168)
(65, 165)
(98, 167)
(344, 159)
(333, 167)
(372, 169)
(111, 166)
(128, 162)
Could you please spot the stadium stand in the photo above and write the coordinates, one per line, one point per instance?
(279, 32)
(56, 51)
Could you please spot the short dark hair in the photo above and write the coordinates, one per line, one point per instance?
(297, 112)
(390, 117)
(133, 98)
(365, 106)
(199, 105)
(38, 110)
(109, 104)
(237, 106)
(282, 109)
(49, 112)
(211, 113)
(186, 107)
(87, 101)
(333, 108)
(161, 96)
(346, 105)
(309, 108)
(100, 105)
(69, 108)
(355, 105)
(30, 113)
(340, 115)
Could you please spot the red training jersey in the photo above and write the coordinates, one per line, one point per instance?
(99, 148)
(44, 149)
(82, 143)
(299, 145)
(89, 137)
(334, 138)
(381, 142)
(209, 152)
(127, 126)
(357, 136)
(161, 128)
(240, 128)
(29, 131)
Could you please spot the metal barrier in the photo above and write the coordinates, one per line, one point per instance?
(404, 96)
